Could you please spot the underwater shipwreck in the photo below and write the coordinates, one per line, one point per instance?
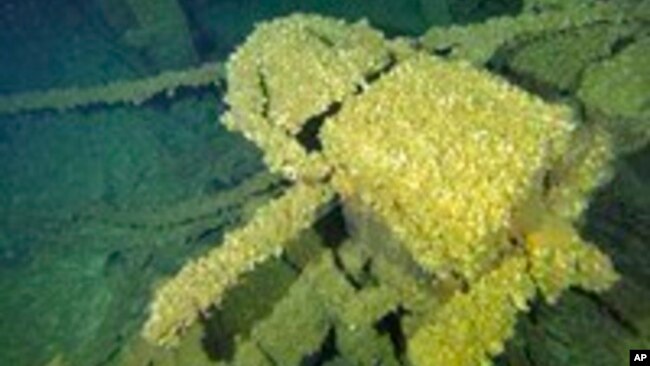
(405, 182)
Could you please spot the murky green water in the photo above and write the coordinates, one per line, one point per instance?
(101, 201)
